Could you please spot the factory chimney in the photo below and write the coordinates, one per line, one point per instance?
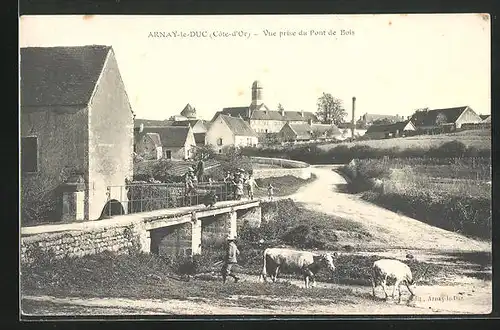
(353, 128)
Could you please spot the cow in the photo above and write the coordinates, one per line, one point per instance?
(394, 269)
(306, 263)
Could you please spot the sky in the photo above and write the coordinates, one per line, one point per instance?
(392, 64)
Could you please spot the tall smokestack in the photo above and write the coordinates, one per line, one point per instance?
(353, 128)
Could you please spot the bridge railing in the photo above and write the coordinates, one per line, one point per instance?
(144, 197)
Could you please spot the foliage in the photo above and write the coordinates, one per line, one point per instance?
(330, 109)
(204, 152)
(450, 193)
(383, 121)
(314, 154)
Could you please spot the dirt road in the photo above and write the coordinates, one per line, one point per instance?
(392, 230)
(394, 236)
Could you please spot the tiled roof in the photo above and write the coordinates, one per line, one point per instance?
(238, 126)
(188, 111)
(155, 137)
(171, 136)
(199, 138)
(449, 115)
(303, 130)
(60, 75)
(323, 128)
(192, 122)
(152, 122)
(269, 115)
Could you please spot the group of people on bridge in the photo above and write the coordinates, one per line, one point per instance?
(238, 182)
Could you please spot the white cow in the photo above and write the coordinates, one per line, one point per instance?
(306, 263)
(394, 269)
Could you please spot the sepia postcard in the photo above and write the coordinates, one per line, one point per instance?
(333, 165)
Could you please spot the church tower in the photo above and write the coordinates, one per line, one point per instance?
(256, 94)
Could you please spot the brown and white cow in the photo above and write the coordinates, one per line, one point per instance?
(306, 263)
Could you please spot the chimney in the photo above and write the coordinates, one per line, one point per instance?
(302, 113)
(282, 111)
(353, 128)
(141, 128)
(310, 121)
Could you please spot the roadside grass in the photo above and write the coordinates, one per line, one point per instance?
(480, 138)
(450, 193)
(283, 186)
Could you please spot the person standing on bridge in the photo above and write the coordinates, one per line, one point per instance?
(230, 259)
(200, 170)
(238, 187)
(188, 180)
(250, 184)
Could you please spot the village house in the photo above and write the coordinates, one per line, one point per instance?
(399, 129)
(76, 126)
(186, 118)
(150, 147)
(448, 119)
(346, 131)
(176, 142)
(300, 131)
(228, 131)
(261, 118)
(485, 118)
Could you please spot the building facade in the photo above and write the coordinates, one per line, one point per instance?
(261, 118)
(76, 120)
(447, 119)
(177, 142)
(226, 131)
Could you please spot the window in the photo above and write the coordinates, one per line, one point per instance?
(29, 154)
(168, 154)
(266, 130)
(220, 151)
(219, 141)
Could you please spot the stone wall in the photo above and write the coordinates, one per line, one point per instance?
(81, 243)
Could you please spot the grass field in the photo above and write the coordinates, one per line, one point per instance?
(453, 194)
(283, 186)
(480, 139)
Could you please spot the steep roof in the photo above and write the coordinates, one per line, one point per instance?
(191, 122)
(303, 130)
(152, 122)
(155, 137)
(199, 138)
(63, 76)
(188, 111)
(238, 126)
(388, 127)
(269, 115)
(171, 136)
(323, 128)
(428, 118)
(485, 118)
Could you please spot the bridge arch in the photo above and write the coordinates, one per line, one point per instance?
(112, 208)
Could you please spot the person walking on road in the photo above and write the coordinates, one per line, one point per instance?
(270, 192)
(230, 259)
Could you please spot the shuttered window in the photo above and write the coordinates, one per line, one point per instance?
(29, 154)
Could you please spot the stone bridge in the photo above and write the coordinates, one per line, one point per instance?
(177, 231)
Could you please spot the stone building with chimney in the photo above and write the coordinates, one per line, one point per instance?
(263, 119)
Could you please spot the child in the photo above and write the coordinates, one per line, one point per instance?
(270, 192)
(250, 184)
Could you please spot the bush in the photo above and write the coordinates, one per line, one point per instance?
(468, 215)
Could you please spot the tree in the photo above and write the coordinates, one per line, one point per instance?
(204, 152)
(441, 119)
(330, 109)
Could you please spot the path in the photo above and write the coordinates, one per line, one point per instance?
(393, 230)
